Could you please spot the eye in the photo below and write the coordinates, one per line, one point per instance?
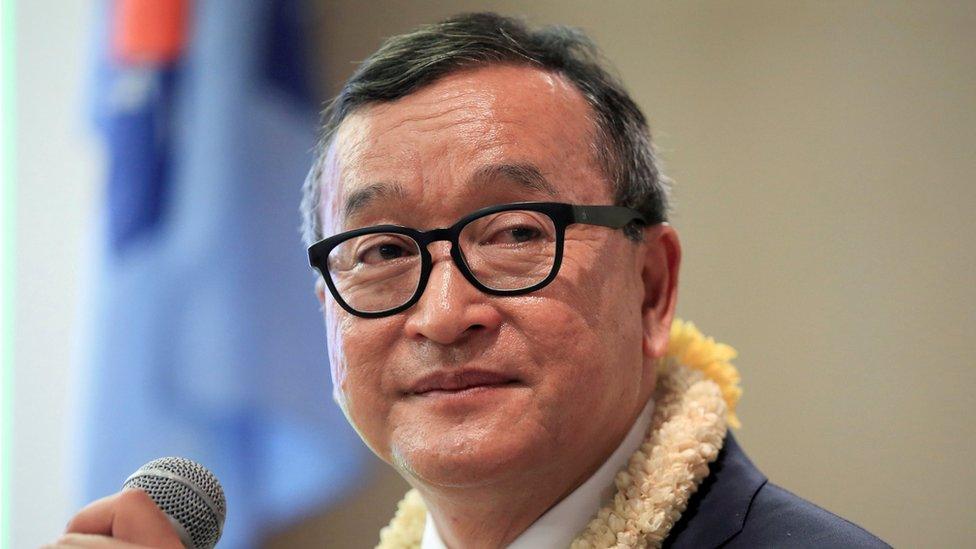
(379, 251)
(516, 228)
(516, 235)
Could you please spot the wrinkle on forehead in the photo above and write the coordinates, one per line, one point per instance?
(472, 109)
(468, 97)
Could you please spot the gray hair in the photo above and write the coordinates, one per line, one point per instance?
(410, 61)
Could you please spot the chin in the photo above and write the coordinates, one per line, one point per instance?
(467, 455)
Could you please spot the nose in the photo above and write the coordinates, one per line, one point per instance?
(450, 309)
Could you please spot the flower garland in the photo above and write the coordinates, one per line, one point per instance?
(695, 399)
(688, 346)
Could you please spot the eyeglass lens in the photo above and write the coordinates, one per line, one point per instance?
(510, 250)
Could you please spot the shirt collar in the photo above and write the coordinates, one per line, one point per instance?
(560, 525)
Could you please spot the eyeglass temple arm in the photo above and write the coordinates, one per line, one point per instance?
(607, 216)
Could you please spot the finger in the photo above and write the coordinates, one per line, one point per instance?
(59, 545)
(91, 541)
(139, 520)
(95, 518)
(130, 515)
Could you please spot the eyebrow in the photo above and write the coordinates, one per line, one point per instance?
(359, 199)
(524, 175)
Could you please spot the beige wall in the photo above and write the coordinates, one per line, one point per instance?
(826, 182)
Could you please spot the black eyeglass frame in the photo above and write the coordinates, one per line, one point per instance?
(562, 215)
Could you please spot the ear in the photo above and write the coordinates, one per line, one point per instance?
(662, 258)
(320, 290)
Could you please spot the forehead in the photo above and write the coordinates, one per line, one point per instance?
(434, 147)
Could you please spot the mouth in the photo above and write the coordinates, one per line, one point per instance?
(459, 382)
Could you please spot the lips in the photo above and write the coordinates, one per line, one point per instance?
(459, 380)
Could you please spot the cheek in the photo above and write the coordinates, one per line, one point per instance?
(586, 334)
(358, 360)
(590, 349)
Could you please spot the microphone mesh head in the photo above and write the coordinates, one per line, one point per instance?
(189, 493)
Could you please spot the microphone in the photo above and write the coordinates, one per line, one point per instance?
(189, 494)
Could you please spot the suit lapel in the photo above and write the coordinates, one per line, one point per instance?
(718, 509)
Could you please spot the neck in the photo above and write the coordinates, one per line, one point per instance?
(495, 515)
(492, 518)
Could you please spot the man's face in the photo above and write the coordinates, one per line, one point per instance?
(547, 380)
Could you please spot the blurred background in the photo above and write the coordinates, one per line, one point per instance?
(825, 195)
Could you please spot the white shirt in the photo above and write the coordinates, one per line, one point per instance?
(559, 526)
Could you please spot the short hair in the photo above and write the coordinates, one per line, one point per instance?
(408, 62)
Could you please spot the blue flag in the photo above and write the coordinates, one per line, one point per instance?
(205, 339)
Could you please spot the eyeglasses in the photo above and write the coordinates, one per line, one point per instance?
(510, 249)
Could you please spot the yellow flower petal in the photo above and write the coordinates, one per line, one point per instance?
(690, 347)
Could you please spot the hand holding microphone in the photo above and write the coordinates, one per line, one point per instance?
(167, 503)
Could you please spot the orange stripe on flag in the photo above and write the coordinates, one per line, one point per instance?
(149, 31)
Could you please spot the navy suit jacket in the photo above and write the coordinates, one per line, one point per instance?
(737, 506)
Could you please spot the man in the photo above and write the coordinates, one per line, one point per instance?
(499, 281)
